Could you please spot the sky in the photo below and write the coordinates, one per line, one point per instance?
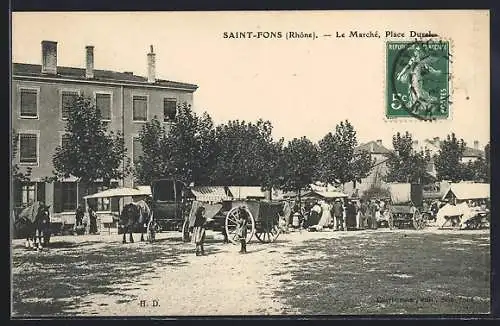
(304, 87)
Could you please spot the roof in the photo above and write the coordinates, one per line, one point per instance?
(463, 191)
(32, 70)
(472, 152)
(116, 192)
(243, 192)
(210, 193)
(372, 147)
(144, 190)
(325, 194)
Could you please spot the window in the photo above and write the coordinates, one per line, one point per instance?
(103, 104)
(68, 196)
(136, 149)
(140, 108)
(25, 193)
(169, 109)
(64, 139)
(28, 148)
(29, 103)
(68, 99)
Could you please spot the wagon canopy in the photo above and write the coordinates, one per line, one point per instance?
(400, 193)
(465, 191)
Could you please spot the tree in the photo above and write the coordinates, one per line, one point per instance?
(90, 151)
(185, 152)
(299, 161)
(448, 160)
(246, 154)
(406, 164)
(338, 162)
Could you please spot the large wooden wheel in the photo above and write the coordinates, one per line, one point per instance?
(231, 225)
(418, 220)
(268, 231)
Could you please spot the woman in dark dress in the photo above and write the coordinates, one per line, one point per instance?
(241, 230)
(199, 230)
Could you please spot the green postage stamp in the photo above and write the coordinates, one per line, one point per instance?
(418, 79)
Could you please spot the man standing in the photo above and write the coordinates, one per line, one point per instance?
(372, 224)
(241, 228)
(338, 213)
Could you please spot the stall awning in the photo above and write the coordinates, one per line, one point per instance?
(244, 192)
(325, 194)
(465, 191)
(116, 192)
(144, 190)
(210, 193)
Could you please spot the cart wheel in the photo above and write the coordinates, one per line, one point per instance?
(268, 233)
(186, 235)
(230, 225)
(418, 221)
(390, 221)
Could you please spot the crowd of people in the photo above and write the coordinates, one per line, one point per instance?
(339, 215)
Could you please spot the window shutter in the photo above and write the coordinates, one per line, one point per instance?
(169, 109)
(57, 197)
(103, 104)
(40, 191)
(140, 108)
(28, 103)
(115, 205)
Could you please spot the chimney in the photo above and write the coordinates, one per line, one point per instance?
(89, 60)
(151, 66)
(379, 142)
(476, 144)
(49, 57)
(372, 147)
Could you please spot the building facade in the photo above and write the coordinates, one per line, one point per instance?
(41, 92)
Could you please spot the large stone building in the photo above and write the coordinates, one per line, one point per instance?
(39, 94)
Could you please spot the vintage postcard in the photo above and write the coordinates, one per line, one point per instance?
(250, 163)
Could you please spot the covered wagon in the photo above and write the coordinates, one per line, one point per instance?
(405, 206)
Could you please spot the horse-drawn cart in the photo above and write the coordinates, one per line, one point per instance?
(406, 202)
(264, 219)
(174, 203)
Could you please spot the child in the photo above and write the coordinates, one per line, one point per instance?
(241, 229)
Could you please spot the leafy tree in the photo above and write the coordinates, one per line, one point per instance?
(448, 160)
(299, 162)
(338, 162)
(185, 152)
(90, 151)
(246, 154)
(404, 163)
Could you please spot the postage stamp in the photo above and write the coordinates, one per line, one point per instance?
(418, 79)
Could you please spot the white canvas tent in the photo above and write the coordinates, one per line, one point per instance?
(466, 191)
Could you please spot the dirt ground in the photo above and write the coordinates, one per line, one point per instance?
(301, 273)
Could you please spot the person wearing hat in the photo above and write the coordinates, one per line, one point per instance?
(241, 228)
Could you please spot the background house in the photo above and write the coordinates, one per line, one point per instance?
(126, 101)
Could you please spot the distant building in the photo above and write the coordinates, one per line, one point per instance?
(379, 153)
(433, 145)
(39, 95)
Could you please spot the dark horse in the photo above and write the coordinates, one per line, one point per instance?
(134, 214)
(35, 219)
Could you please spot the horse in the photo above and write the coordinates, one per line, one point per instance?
(36, 220)
(133, 214)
